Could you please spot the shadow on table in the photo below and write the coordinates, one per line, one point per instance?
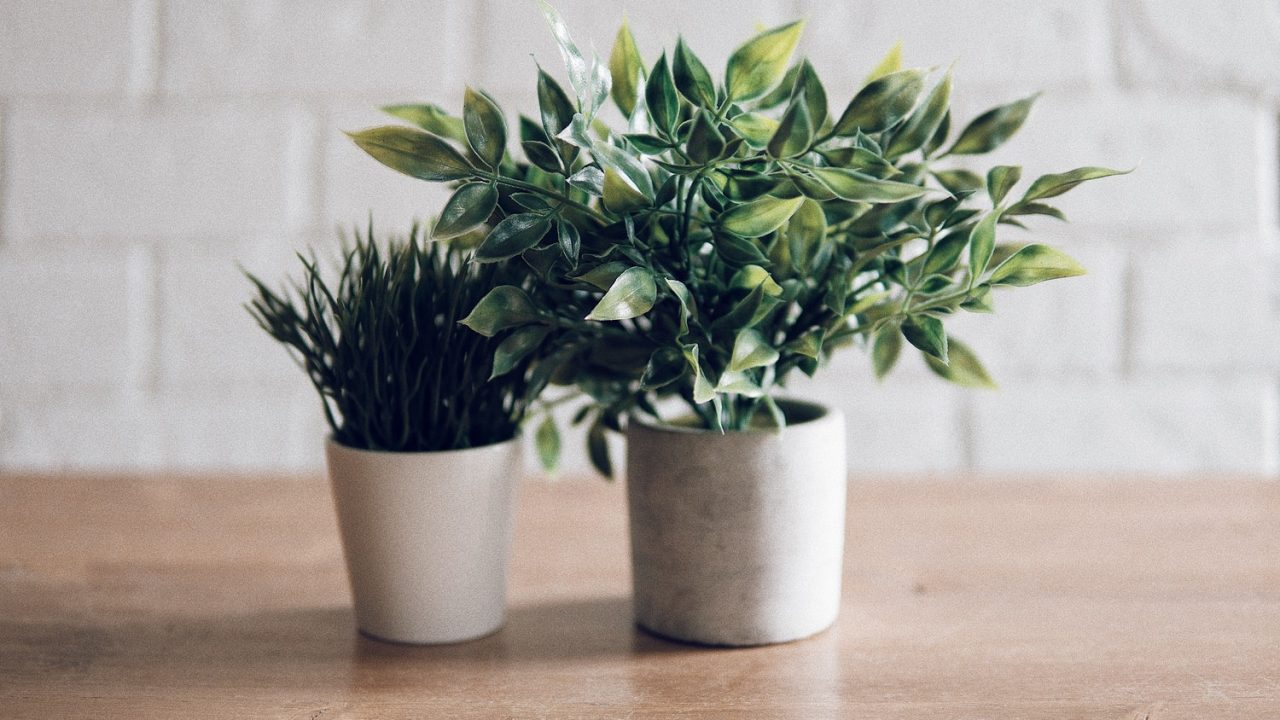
(304, 647)
(561, 630)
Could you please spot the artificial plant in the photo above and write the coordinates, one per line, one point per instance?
(383, 346)
(733, 231)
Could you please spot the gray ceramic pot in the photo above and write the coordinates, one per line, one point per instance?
(738, 539)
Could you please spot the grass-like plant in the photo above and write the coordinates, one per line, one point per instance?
(734, 231)
(383, 346)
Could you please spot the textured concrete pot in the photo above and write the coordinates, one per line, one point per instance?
(426, 537)
(738, 539)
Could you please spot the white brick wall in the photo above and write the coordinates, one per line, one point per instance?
(148, 146)
(65, 47)
(161, 174)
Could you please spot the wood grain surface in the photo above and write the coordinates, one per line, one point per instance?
(217, 597)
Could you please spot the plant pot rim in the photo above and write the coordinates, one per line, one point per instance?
(814, 413)
(331, 441)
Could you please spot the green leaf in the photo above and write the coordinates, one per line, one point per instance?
(627, 165)
(570, 240)
(811, 188)
(815, 96)
(633, 294)
(742, 314)
(891, 63)
(958, 181)
(926, 334)
(757, 65)
(554, 105)
(795, 131)
(414, 153)
(939, 137)
(1036, 208)
(736, 251)
(806, 229)
(598, 449)
(885, 350)
(619, 197)
(861, 159)
(512, 236)
(881, 104)
(580, 72)
(751, 350)
(737, 382)
(759, 217)
(647, 143)
(747, 185)
(853, 185)
(703, 390)
(1033, 264)
(603, 276)
(924, 122)
(749, 277)
(979, 300)
(687, 307)
(946, 253)
(506, 306)
(661, 98)
(486, 128)
(782, 92)
(755, 128)
(626, 69)
(517, 347)
(982, 242)
(808, 345)
(991, 129)
(1048, 186)
(547, 442)
(430, 118)
(666, 365)
(589, 180)
(962, 367)
(691, 77)
(705, 141)
(542, 155)
(1000, 180)
(469, 206)
(776, 416)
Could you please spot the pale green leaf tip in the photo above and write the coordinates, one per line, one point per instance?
(466, 322)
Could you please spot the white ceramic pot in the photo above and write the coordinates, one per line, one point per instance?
(738, 539)
(426, 537)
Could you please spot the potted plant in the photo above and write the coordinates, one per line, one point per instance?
(733, 234)
(423, 457)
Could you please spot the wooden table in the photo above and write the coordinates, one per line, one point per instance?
(220, 597)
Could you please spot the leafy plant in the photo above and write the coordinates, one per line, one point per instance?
(384, 348)
(733, 233)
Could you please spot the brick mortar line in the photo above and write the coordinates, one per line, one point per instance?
(147, 315)
(1269, 169)
(966, 421)
(305, 175)
(5, 172)
(145, 55)
(1128, 317)
(1271, 428)
(1119, 15)
(1135, 22)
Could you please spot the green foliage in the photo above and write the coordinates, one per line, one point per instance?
(383, 346)
(733, 233)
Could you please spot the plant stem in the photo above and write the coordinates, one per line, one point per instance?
(558, 196)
